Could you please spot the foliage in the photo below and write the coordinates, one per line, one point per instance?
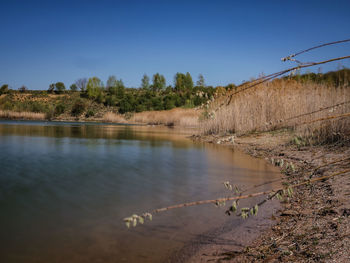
(90, 113)
(145, 82)
(60, 87)
(94, 88)
(4, 89)
(332, 78)
(183, 82)
(73, 87)
(59, 109)
(159, 82)
(78, 108)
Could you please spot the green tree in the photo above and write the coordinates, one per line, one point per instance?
(159, 82)
(179, 82)
(145, 82)
(116, 88)
(188, 82)
(60, 87)
(4, 89)
(200, 81)
(73, 87)
(183, 83)
(94, 88)
(111, 82)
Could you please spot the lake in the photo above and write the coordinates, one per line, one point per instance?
(66, 187)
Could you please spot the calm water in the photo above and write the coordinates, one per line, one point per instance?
(65, 188)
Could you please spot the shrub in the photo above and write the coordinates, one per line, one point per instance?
(90, 113)
(59, 109)
(78, 108)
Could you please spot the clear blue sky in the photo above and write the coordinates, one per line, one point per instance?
(227, 41)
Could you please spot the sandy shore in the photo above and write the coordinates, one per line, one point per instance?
(303, 228)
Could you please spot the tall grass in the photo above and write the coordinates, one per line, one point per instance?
(274, 104)
(175, 117)
(113, 117)
(22, 115)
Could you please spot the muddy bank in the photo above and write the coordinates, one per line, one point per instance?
(304, 227)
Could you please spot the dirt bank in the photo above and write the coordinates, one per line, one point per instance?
(314, 226)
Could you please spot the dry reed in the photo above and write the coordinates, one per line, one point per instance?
(175, 117)
(273, 105)
(113, 117)
(22, 115)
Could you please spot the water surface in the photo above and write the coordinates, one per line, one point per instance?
(65, 188)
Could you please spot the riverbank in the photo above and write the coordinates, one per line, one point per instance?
(317, 215)
(180, 117)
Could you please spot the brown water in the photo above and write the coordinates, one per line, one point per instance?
(66, 187)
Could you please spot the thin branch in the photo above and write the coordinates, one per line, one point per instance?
(319, 110)
(307, 50)
(326, 118)
(213, 201)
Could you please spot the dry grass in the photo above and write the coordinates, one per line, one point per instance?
(175, 117)
(113, 117)
(272, 105)
(22, 115)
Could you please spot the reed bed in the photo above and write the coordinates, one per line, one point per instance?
(175, 117)
(22, 115)
(277, 104)
(113, 117)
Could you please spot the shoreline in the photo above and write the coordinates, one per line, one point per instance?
(317, 215)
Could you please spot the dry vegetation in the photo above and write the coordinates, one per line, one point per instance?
(175, 117)
(113, 117)
(275, 104)
(22, 115)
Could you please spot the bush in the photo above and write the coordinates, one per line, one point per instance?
(78, 108)
(90, 113)
(59, 109)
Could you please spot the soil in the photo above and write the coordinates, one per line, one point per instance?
(311, 226)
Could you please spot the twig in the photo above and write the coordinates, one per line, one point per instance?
(202, 202)
(307, 50)
(326, 118)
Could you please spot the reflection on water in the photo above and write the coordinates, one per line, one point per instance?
(65, 188)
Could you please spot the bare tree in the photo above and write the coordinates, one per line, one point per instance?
(81, 84)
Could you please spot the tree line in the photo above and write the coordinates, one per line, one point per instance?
(151, 95)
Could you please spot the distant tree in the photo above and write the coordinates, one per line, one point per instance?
(94, 88)
(183, 82)
(200, 81)
(51, 88)
(111, 82)
(23, 89)
(81, 84)
(188, 82)
(115, 87)
(60, 87)
(73, 87)
(159, 82)
(179, 82)
(4, 89)
(145, 82)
